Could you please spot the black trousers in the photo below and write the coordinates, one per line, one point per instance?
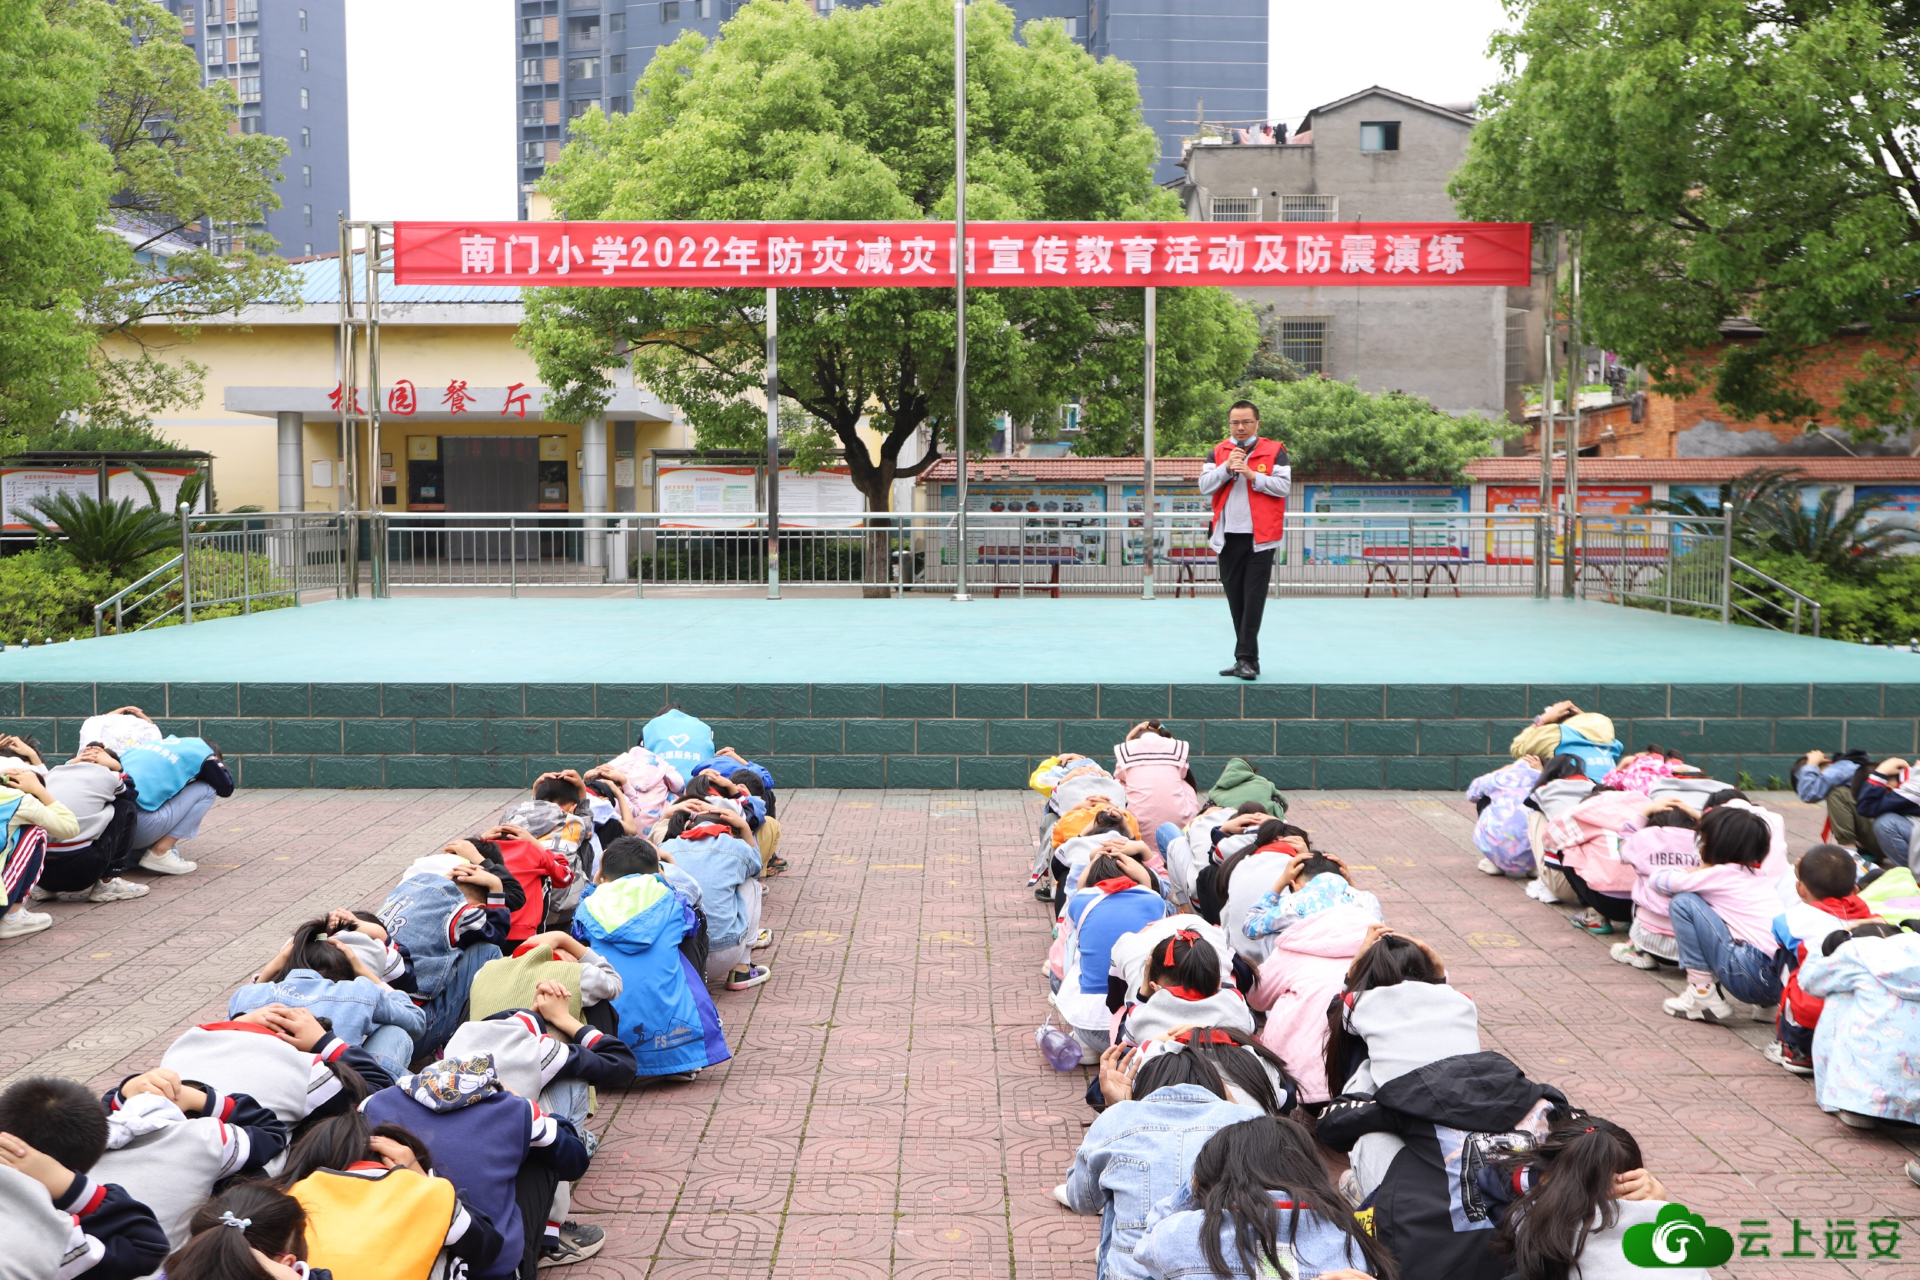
(1244, 575)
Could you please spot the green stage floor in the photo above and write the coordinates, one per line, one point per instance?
(1313, 641)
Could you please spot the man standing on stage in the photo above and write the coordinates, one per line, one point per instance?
(1249, 479)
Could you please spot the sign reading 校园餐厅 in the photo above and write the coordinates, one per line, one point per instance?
(999, 254)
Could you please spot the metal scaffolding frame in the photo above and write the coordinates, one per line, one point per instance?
(366, 254)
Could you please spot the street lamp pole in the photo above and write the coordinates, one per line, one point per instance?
(960, 287)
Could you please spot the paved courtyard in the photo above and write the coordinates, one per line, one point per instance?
(887, 1113)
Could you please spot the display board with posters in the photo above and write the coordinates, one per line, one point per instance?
(1183, 542)
(706, 497)
(19, 486)
(1513, 544)
(1050, 531)
(1379, 529)
(1710, 495)
(1881, 505)
(826, 499)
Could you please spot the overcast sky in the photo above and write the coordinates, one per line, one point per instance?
(431, 86)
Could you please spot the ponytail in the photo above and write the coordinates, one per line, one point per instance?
(1545, 1230)
(230, 1226)
(1388, 962)
(1185, 960)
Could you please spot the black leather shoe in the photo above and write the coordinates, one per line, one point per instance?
(1245, 671)
(1233, 670)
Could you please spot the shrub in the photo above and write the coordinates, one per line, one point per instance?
(44, 595)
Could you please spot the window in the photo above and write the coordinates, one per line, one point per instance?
(249, 50)
(583, 68)
(1072, 26)
(1234, 209)
(530, 71)
(617, 65)
(532, 29)
(216, 51)
(303, 60)
(578, 107)
(1305, 343)
(306, 99)
(306, 214)
(824, 7)
(584, 33)
(249, 87)
(306, 175)
(532, 111)
(703, 8)
(1517, 344)
(306, 251)
(303, 14)
(616, 23)
(617, 105)
(306, 137)
(249, 124)
(533, 153)
(1309, 208)
(669, 10)
(1379, 135)
(246, 10)
(216, 10)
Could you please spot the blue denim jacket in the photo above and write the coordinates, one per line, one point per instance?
(1812, 784)
(1170, 1249)
(355, 1008)
(1137, 1154)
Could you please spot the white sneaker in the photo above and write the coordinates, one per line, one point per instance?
(117, 890)
(1486, 865)
(1627, 953)
(1060, 1194)
(22, 923)
(1699, 1006)
(37, 894)
(1537, 890)
(167, 864)
(763, 939)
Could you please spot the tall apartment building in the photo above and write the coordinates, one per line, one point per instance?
(1192, 57)
(288, 66)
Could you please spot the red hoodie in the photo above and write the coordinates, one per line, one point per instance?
(532, 864)
(1805, 1008)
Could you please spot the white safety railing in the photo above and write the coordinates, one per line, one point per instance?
(235, 564)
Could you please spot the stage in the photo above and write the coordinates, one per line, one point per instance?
(926, 692)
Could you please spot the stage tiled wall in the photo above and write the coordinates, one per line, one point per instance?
(941, 735)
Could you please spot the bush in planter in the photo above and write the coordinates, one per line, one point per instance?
(44, 595)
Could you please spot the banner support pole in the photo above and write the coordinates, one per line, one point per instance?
(960, 292)
(1146, 445)
(773, 444)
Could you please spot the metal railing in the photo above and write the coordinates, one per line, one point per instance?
(235, 563)
(1650, 560)
(1788, 618)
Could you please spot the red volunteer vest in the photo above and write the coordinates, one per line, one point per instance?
(1269, 513)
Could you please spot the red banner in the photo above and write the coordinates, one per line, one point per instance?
(893, 254)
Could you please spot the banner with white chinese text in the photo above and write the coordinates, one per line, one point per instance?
(894, 254)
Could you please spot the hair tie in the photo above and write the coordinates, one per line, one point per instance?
(1589, 1129)
(1188, 935)
(228, 1220)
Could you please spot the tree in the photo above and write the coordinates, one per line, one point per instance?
(111, 154)
(793, 117)
(1328, 426)
(1722, 158)
(1770, 516)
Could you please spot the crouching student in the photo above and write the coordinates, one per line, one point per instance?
(33, 818)
(1307, 970)
(103, 806)
(1182, 988)
(635, 918)
(1722, 913)
(1312, 883)
(376, 1208)
(169, 1141)
(281, 1057)
(316, 969)
(176, 781)
(1500, 832)
(548, 1054)
(1259, 1194)
(451, 913)
(1868, 1037)
(712, 844)
(51, 1133)
(1662, 839)
(481, 1134)
(1116, 898)
(1161, 1112)
(1823, 879)
(1152, 765)
(1565, 1203)
(250, 1231)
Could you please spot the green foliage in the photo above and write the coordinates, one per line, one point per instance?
(45, 595)
(1329, 425)
(1878, 600)
(93, 437)
(111, 149)
(111, 535)
(1768, 516)
(794, 117)
(1721, 158)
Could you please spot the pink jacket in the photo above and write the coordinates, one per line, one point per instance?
(1296, 983)
(1588, 838)
(1153, 769)
(651, 782)
(1651, 849)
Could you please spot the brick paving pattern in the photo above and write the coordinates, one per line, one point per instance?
(887, 1113)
